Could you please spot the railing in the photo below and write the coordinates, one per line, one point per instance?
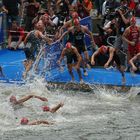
(2, 28)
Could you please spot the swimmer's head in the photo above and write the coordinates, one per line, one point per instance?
(24, 121)
(68, 45)
(76, 22)
(133, 20)
(103, 49)
(13, 99)
(74, 15)
(45, 108)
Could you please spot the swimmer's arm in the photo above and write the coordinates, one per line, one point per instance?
(132, 60)
(62, 56)
(87, 31)
(39, 122)
(24, 99)
(46, 38)
(41, 98)
(66, 32)
(93, 56)
(111, 54)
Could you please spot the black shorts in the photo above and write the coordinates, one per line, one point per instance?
(81, 48)
(71, 59)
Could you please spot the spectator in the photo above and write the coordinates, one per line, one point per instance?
(82, 10)
(98, 5)
(15, 37)
(53, 27)
(31, 11)
(12, 10)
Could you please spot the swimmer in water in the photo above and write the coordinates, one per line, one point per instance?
(14, 101)
(25, 121)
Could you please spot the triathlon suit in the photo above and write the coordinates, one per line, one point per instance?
(115, 58)
(79, 41)
(71, 57)
(133, 36)
(70, 36)
(33, 44)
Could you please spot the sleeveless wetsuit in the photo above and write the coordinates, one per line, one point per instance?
(34, 44)
(79, 41)
(71, 57)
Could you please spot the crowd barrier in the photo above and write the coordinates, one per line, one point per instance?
(53, 52)
(2, 28)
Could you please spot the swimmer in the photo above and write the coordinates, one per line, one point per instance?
(14, 100)
(53, 109)
(25, 121)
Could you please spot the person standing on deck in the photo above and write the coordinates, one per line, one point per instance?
(112, 56)
(131, 36)
(73, 59)
(79, 32)
(15, 37)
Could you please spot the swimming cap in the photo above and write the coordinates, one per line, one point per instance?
(103, 49)
(45, 108)
(68, 45)
(76, 21)
(133, 19)
(13, 98)
(74, 15)
(24, 121)
(46, 15)
(86, 1)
